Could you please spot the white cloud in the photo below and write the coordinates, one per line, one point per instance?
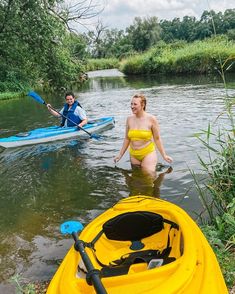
(121, 13)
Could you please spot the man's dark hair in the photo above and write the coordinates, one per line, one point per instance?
(69, 94)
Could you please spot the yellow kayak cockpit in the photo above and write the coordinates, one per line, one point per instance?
(132, 242)
(142, 245)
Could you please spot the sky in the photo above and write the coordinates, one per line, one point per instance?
(121, 13)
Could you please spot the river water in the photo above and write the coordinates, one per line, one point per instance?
(44, 185)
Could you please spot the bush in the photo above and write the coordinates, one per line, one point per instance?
(102, 63)
(195, 58)
(217, 191)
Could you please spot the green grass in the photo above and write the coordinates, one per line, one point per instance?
(103, 63)
(224, 254)
(23, 286)
(10, 95)
(217, 189)
(193, 58)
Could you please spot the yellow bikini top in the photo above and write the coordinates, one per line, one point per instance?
(138, 135)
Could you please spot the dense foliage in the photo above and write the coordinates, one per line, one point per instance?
(35, 45)
(147, 32)
(38, 47)
(199, 57)
(217, 192)
(191, 29)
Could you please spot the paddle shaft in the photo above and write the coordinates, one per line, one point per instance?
(69, 120)
(92, 273)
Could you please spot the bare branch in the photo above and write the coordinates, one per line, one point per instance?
(76, 13)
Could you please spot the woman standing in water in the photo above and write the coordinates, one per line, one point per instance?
(143, 136)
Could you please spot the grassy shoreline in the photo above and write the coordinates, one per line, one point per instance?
(10, 95)
(179, 58)
(102, 63)
(199, 57)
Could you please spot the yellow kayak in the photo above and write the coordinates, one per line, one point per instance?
(142, 245)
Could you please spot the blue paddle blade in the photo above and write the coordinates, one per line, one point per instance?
(71, 227)
(36, 97)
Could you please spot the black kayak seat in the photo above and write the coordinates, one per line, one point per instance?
(134, 226)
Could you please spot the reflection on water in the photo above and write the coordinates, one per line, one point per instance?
(139, 182)
(44, 185)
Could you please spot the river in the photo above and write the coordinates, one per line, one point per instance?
(44, 185)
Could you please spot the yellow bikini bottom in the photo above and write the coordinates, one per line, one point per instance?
(140, 154)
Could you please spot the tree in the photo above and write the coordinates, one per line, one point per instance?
(95, 40)
(228, 21)
(144, 33)
(117, 43)
(34, 41)
(187, 28)
(167, 34)
(231, 34)
(73, 15)
(24, 35)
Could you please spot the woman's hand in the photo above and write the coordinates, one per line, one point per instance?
(117, 158)
(168, 159)
(49, 106)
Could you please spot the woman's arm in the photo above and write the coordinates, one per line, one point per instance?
(53, 112)
(158, 140)
(82, 115)
(125, 145)
(83, 122)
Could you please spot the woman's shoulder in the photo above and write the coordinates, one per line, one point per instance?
(130, 118)
(151, 117)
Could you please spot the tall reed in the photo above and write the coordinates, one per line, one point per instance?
(217, 188)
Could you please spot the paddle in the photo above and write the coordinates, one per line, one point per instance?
(93, 278)
(39, 99)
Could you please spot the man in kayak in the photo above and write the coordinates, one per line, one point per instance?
(72, 110)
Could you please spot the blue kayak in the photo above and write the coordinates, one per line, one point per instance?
(54, 133)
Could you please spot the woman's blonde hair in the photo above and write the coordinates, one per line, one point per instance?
(142, 99)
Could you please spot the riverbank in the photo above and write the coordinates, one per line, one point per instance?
(216, 189)
(199, 57)
(211, 56)
(10, 95)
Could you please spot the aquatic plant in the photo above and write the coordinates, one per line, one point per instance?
(216, 190)
(217, 187)
(21, 286)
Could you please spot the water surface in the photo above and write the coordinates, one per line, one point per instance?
(44, 185)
